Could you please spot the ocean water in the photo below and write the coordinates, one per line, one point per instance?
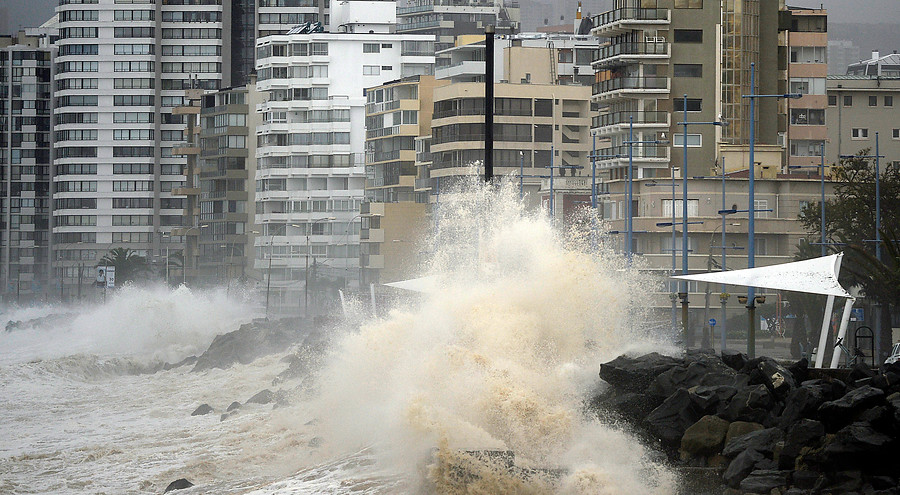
(499, 357)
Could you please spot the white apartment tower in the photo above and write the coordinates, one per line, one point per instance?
(311, 145)
(122, 67)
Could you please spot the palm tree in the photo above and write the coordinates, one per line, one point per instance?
(129, 265)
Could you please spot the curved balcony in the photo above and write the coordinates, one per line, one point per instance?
(632, 86)
(613, 122)
(625, 53)
(622, 20)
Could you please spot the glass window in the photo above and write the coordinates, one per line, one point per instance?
(688, 4)
(693, 140)
(873, 101)
(693, 104)
(688, 70)
(860, 133)
(688, 36)
(832, 100)
(848, 100)
(888, 101)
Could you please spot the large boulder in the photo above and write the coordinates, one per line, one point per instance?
(742, 465)
(249, 342)
(858, 445)
(262, 397)
(712, 399)
(753, 403)
(763, 481)
(841, 412)
(762, 441)
(633, 406)
(178, 484)
(804, 433)
(202, 410)
(672, 418)
(740, 428)
(705, 437)
(635, 374)
(705, 372)
(734, 359)
(803, 402)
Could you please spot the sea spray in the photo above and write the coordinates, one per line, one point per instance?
(499, 356)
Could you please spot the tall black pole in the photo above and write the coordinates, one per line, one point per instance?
(488, 103)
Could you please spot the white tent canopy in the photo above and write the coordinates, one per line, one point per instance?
(815, 276)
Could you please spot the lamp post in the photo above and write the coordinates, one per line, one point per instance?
(751, 229)
(683, 294)
(629, 219)
(309, 227)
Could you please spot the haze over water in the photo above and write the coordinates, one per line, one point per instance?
(500, 355)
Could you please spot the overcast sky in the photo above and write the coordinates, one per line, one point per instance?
(22, 13)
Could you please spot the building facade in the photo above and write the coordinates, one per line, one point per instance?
(807, 42)
(311, 172)
(26, 85)
(859, 108)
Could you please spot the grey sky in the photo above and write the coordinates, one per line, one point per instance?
(23, 13)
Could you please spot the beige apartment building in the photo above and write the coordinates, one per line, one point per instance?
(859, 108)
(807, 42)
(394, 217)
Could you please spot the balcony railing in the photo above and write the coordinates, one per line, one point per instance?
(630, 14)
(630, 83)
(640, 151)
(622, 118)
(633, 49)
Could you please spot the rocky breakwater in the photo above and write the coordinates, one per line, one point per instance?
(761, 426)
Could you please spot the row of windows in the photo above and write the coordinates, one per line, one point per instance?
(133, 66)
(863, 133)
(133, 117)
(75, 203)
(77, 66)
(304, 138)
(297, 94)
(133, 83)
(132, 134)
(132, 220)
(191, 33)
(134, 32)
(77, 32)
(191, 50)
(133, 49)
(305, 161)
(77, 186)
(191, 67)
(77, 135)
(77, 169)
(77, 83)
(888, 100)
(290, 18)
(191, 16)
(78, 50)
(294, 49)
(308, 116)
(134, 15)
(76, 220)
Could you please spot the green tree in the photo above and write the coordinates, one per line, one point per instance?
(130, 266)
(850, 226)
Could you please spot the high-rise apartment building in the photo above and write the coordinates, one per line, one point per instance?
(661, 50)
(122, 69)
(807, 43)
(310, 156)
(448, 19)
(26, 75)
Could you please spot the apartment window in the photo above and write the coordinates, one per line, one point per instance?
(808, 85)
(693, 208)
(371, 70)
(873, 101)
(688, 36)
(132, 220)
(318, 48)
(688, 4)
(131, 134)
(888, 101)
(693, 140)
(693, 104)
(543, 108)
(132, 168)
(848, 100)
(371, 48)
(895, 133)
(133, 15)
(133, 66)
(132, 117)
(133, 32)
(832, 100)
(859, 133)
(807, 116)
(132, 185)
(132, 100)
(688, 70)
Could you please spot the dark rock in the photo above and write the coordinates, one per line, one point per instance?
(184, 362)
(778, 376)
(250, 341)
(233, 406)
(705, 437)
(227, 415)
(886, 381)
(636, 374)
(738, 429)
(315, 442)
(800, 370)
(178, 484)
(796, 491)
(803, 402)
(763, 481)
(838, 413)
(762, 441)
(712, 399)
(859, 445)
(741, 466)
(845, 482)
(633, 406)
(262, 397)
(203, 409)
(754, 404)
(804, 433)
(708, 372)
(805, 479)
(860, 371)
(734, 359)
(670, 420)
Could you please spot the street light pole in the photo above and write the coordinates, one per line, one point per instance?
(751, 225)
(309, 227)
